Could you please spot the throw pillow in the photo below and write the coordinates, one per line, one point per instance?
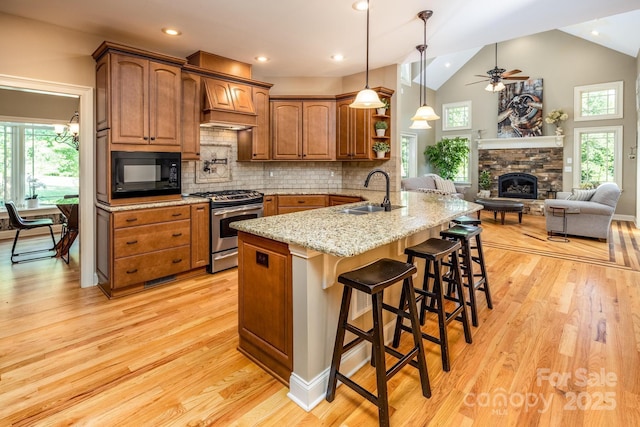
(582, 195)
(445, 185)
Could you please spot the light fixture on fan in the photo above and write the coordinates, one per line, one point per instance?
(367, 98)
(424, 112)
(69, 133)
(495, 87)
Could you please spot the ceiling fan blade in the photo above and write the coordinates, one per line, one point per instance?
(481, 81)
(481, 75)
(508, 73)
(516, 78)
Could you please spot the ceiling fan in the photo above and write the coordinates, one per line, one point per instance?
(497, 75)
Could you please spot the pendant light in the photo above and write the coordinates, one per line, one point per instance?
(424, 112)
(420, 124)
(367, 98)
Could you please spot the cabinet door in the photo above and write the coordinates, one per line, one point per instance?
(165, 82)
(218, 94)
(319, 135)
(270, 206)
(286, 130)
(200, 235)
(190, 116)
(343, 136)
(241, 96)
(129, 100)
(103, 100)
(360, 128)
(255, 143)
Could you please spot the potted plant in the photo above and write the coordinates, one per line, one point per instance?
(32, 197)
(381, 127)
(383, 110)
(447, 155)
(381, 148)
(484, 182)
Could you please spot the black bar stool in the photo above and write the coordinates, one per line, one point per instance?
(373, 279)
(436, 252)
(467, 220)
(474, 281)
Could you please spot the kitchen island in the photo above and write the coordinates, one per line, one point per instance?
(287, 280)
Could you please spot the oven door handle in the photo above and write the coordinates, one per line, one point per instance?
(228, 211)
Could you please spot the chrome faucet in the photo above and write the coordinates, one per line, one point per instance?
(386, 204)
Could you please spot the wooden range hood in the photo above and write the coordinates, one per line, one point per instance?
(227, 97)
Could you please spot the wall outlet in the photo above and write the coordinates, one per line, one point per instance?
(271, 174)
(568, 169)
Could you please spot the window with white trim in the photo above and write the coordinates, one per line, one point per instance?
(463, 174)
(598, 156)
(598, 102)
(408, 154)
(456, 115)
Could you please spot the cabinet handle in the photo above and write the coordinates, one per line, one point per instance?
(131, 219)
(177, 234)
(135, 270)
(153, 138)
(146, 138)
(177, 214)
(199, 209)
(176, 261)
(300, 201)
(133, 242)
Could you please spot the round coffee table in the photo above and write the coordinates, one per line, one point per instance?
(502, 206)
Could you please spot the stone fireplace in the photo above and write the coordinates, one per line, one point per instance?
(530, 166)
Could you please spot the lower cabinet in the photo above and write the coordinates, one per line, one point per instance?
(341, 200)
(265, 304)
(270, 205)
(141, 248)
(288, 204)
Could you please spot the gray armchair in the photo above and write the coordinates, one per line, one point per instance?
(590, 218)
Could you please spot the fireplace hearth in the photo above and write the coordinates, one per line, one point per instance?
(518, 186)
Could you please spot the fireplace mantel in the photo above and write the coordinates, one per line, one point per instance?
(515, 143)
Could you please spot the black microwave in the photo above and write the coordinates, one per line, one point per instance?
(144, 174)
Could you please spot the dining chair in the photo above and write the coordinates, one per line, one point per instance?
(20, 224)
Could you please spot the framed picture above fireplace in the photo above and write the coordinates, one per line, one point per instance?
(520, 109)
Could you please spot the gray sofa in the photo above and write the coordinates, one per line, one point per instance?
(427, 183)
(591, 218)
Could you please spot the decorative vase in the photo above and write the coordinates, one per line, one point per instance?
(381, 111)
(32, 203)
(559, 131)
(380, 132)
(380, 154)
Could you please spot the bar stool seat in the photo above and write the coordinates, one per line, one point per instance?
(467, 220)
(373, 279)
(472, 280)
(436, 253)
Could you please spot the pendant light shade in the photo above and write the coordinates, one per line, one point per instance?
(420, 124)
(367, 98)
(424, 112)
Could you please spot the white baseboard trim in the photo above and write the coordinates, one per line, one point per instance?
(630, 218)
(308, 394)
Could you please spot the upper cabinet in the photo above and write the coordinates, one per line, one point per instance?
(303, 129)
(255, 143)
(355, 128)
(190, 116)
(138, 98)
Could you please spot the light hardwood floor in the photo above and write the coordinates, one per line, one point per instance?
(560, 348)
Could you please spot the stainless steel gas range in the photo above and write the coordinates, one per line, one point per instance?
(226, 207)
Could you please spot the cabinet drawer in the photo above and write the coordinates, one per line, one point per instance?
(150, 216)
(316, 201)
(153, 265)
(152, 237)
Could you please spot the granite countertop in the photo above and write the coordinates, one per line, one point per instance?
(185, 200)
(331, 231)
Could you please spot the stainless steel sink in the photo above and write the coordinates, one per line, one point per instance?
(367, 209)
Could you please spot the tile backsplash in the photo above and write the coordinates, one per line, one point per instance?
(275, 175)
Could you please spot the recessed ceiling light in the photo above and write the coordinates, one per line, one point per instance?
(595, 32)
(171, 31)
(360, 5)
(337, 57)
(262, 59)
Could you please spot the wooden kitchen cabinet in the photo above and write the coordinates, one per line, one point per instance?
(138, 97)
(355, 133)
(297, 203)
(190, 113)
(200, 235)
(270, 205)
(141, 248)
(230, 96)
(341, 200)
(255, 143)
(303, 129)
(265, 304)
